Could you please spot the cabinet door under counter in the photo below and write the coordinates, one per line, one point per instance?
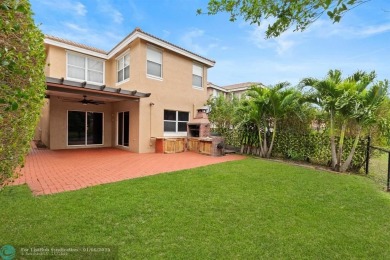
(170, 145)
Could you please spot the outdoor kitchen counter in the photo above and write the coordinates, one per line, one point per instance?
(206, 145)
(170, 144)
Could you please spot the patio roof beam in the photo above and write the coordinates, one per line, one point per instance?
(70, 86)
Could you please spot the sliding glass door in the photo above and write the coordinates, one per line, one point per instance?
(123, 128)
(94, 128)
(85, 128)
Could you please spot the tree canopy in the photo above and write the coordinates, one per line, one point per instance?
(282, 14)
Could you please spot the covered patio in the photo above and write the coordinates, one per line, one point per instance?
(47, 171)
(80, 115)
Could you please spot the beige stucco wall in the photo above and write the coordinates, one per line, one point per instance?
(174, 92)
(56, 62)
(132, 107)
(239, 94)
(42, 130)
(210, 92)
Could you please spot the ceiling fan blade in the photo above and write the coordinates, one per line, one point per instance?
(71, 100)
(96, 102)
(84, 101)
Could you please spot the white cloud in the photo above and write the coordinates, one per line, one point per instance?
(90, 37)
(320, 29)
(69, 6)
(197, 41)
(166, 34)
(326, 29)
(107, 9)
(281, 44)
(372, 30)
(80, 8)
(135, 12)
(75, 27)
(190, 40)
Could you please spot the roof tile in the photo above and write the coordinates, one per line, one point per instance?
(55, 38)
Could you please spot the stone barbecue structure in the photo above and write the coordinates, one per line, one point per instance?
(199, 136)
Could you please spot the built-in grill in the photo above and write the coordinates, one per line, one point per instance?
(200, 125)
(199, 138)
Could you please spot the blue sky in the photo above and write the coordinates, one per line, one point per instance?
(361, 41)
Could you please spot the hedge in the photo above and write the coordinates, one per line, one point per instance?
(315, 148)
(22, 83)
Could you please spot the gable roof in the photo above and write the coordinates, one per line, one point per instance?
(212, 85)
(242, 86)
(75, 44)
(135, 34)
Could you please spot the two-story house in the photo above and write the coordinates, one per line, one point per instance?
(145, 87)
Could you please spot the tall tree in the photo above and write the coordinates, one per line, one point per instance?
(325, 94)
(22, 83)
(283, 13)
(351, 100)
(265, 107)
(222, 112)
(364, 112)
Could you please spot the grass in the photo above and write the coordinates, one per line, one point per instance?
(245, 209)
(377, 169)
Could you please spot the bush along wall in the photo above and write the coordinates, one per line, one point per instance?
(311, 147)
(315, 148)
(22, 83)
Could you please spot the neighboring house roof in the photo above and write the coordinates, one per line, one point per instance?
(242, 86)
(212, 85)
(234, 87)
(137, 33)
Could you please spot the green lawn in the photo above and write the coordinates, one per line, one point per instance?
(245, 209)
(378, 168)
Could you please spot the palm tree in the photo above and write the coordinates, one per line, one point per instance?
(364, 112)
(325, 94)
(350, 89)
(264, 107)
(348, 100)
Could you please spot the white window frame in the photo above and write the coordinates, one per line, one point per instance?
(117, 68)
(194, 67)
(153, 48)
(177, 133)
(86, 69)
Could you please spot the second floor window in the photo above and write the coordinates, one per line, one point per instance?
(84, 68)
(197, 76)
(123, 68)
(154, 62)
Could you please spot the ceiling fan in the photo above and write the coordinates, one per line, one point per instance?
(86, 101)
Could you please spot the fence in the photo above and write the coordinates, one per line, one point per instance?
(378, 164)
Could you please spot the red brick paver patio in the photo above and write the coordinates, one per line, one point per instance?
(48, 172)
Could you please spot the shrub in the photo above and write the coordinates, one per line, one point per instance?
(22, 83)
(315, 148)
